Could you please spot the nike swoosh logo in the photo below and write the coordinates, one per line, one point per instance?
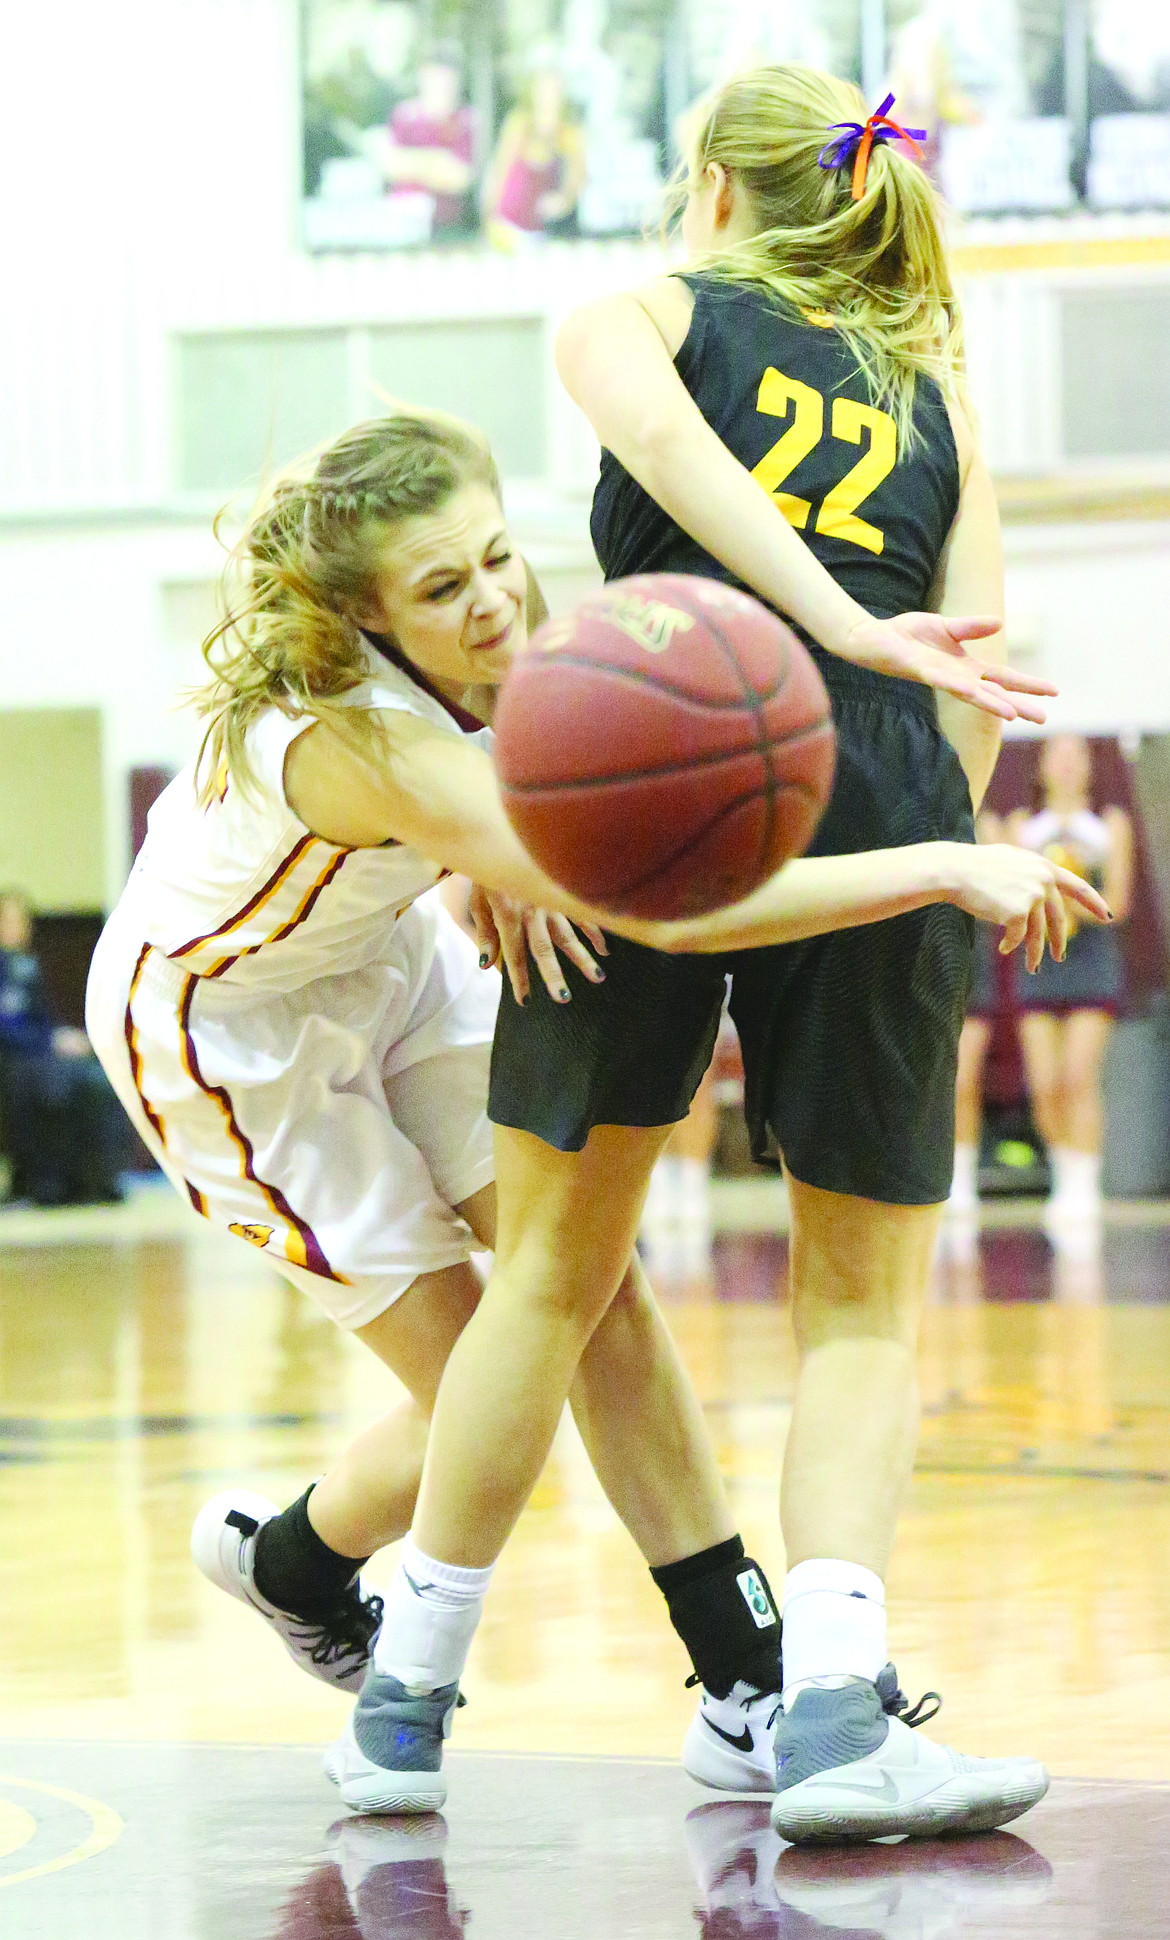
(886, 1790)
(744, 1742)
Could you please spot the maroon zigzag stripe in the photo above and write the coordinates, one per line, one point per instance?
(315, 1260)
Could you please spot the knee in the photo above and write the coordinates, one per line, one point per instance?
(555, 1288)
(849, 1296)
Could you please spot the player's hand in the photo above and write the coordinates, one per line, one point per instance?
(512, 931)
(1027, 895)
(929, 648)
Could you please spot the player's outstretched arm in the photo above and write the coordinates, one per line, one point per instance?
(439, 795)
(615, 363)
(817, 894)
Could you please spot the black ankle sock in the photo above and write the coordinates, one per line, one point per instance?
(294, 1569)
(720, 1604)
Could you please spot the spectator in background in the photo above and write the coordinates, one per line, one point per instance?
(1067, 1009)
(535, 177)
(60, 1124)
(428, 145)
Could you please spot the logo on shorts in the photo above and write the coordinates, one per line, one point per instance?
(757, 1599)
(651, 623)
(255, 1235)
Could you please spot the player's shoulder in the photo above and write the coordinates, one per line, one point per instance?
(669, 302)
(965, 434)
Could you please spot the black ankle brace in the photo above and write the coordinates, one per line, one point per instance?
(722, 1608)
(294, 1569)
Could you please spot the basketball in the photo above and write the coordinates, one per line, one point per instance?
(665, 747)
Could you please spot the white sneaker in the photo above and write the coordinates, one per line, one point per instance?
(893, 1782)
(389, 1756)
(730, 1743)
(337, 1648)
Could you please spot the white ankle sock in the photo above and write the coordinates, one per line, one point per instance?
(1076, 1177)
(964, 1179)
(834, 1624)
(432, 1610)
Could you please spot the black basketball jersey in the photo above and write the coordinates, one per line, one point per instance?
(787, 397)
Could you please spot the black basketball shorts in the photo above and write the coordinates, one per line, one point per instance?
(849, 1040)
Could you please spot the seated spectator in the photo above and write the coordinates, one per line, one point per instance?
(61, 1127)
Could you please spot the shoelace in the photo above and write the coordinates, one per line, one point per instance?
(347, 1630)
(745, 1703)
(896, 1705)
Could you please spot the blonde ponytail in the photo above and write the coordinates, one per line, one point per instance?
(876, 267)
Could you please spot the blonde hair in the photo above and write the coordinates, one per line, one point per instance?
(307, 565)
(877, 267)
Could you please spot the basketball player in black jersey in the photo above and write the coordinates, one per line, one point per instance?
(836, 387)
(815, 339)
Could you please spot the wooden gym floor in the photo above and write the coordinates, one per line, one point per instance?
(159, 1755)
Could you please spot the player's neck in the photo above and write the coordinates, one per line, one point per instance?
(1071, 801)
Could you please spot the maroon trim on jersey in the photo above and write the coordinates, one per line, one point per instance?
(462, 718)
(253, 904)
(152, 1117)
(131, 1033)
(301, 1245)
(286, 929)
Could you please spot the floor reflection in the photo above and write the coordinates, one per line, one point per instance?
(754, 1887)
(385, 1880)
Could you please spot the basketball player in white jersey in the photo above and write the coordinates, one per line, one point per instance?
(301, 1035)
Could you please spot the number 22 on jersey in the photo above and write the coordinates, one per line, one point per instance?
(837, 518)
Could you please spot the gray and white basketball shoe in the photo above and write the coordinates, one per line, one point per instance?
(389, 1757)
(849, 1767)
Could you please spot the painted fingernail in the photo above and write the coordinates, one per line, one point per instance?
(484, 959)
(597, 975)
(563, 994)
(524, 999)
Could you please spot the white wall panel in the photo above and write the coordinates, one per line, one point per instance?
(158, 197)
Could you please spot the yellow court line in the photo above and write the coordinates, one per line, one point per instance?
(107, 1827)
(17, 1827)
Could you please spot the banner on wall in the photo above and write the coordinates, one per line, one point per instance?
(517, 122)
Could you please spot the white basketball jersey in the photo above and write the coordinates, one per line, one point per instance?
(239, 891)
(1081, 841)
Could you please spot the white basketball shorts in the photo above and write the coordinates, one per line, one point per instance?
(334, 1127)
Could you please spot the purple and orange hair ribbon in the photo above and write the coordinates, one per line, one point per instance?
(858, 139)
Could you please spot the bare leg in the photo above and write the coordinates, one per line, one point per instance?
(1040, 1042)
(367, 1498)
(632, 1399)
(1085, 1040)
(566, 1235)
(859, 1272)
(694, 1136)
(641, 1422)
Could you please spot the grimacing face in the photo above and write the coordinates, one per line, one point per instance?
(452, 591)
